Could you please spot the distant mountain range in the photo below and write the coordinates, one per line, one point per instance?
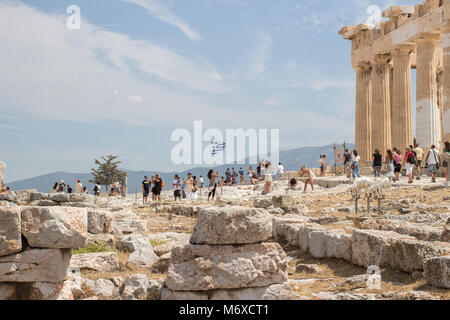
(292, 160)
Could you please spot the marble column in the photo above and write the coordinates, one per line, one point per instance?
(401, 104)
(363, 111)
(428, 128)
(446, 82)
(381, 109)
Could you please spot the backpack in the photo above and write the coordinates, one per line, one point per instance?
(412, 157)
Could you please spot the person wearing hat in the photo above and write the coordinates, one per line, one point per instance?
(79, 187)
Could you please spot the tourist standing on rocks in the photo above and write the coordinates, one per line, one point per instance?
(201, 182)
(156, 190)
(267, 174)
(355, 164)
(419, 155)
(390, 165)
(398, 159)
(321, 165)
(212, 183)
(445, 160)
(188, 185)
(409, 161)
(55, 187)
(233, 176)
(78, 187)
(377, 163)
(176, 187)
(325, 164)
(194, 188)
(304, 171)
(433, 160)
(145, 190)
(347, 163)
(69, 189)
(241, 176)
(280, 171)
(96, 190)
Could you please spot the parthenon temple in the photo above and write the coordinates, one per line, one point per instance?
(383, 56)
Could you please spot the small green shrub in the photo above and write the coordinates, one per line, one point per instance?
(92, 248)
(156, 243)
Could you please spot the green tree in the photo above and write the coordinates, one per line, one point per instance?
(108, 171)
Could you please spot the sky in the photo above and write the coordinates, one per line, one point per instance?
(137, 70)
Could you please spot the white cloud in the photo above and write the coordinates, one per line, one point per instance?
(262, 54)
(51, 72)
(271, 103)
(163, 13)
(134, 99)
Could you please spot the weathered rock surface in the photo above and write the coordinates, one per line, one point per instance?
(167, 294)
(286, 228)
(330, 244)
(51, 291)
(55, 227)
(101, 238)
(101, 287)
(36, 265)
(99, 221)
(204, 267)
(10, 234)
(165, 248)
(232, 225)
(128, 226)
(162, 264)
(8, 291)
(437, 271)
(132, 242)
(262, 203)
(59, 197)
(142, 258)
(304, 233)
(445, 237)
(100, 262)
(386, 248)
(135, 287)
(283, 201)
(273, 292)
(154, 290)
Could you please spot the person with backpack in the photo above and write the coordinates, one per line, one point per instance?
(347, 163)
(433, 160)
(409, 163)
(398, 159)
(146, 185)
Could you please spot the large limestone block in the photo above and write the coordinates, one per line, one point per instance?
(36, 265)
(330, 244)
(59, 197)
(132, 242)
(101, 287)
(304, 233)
(167, 294)
(437, 271)
(99, 221)
(10, 236)
(283, 201)
(273, 292)
(128, 226)
(162, 265)
(10, 197)
(8, 291)
(55, 227)
(50, 291)
(232, 225)
(286, 228)
(142, 258)
(410, 255)
(205, 267)
(99, 262)
(165, 248)
(262, 203)
(373, 247)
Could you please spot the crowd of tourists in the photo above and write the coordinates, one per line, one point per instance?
(61, 187)
(414, 160)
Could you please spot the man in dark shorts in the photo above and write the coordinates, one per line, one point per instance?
(145, 189)
(177, 187)
(156, 190)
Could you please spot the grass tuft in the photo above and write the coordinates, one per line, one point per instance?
(93, 248)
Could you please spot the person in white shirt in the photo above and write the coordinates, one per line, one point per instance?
(78, 187)
(433, 160)
(280, 171)
(355, 164)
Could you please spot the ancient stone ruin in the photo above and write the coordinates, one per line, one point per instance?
(383, 56)
(227, 259)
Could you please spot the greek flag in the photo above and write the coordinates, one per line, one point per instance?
(217, 147)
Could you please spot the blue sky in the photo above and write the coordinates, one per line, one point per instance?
(139, 69)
